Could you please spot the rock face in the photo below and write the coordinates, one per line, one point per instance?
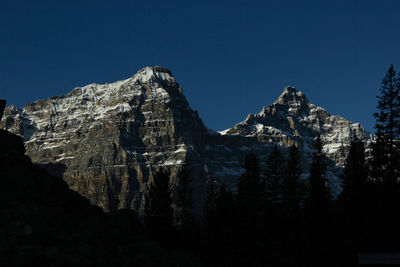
(106, 141)
(292, 119)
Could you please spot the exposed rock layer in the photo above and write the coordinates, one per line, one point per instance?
(107, 140)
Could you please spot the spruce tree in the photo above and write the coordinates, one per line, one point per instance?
(385, 150)
(184, 198)
(249, 208)
(318, 209)
(293, 188)
(250, 187)
(352, 202)
(319, 195)
(355, 175)
(158, 207)
(209, 207)
(273, 175)
(224, 207)
(209, 204)
(221, 231)
(385, 163)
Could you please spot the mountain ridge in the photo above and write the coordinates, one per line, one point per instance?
(107, 140)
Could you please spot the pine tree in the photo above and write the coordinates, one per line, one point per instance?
(220, 231)
(249, 208)
(385, 150)
(158, 207)
(352, 202)
(184, 198)
(250, 187)
(319, 196)
(318, 208)
(209, 206)
(224, 207)
(273, 175)
(355, 175)
(293, 188)
(386, 158)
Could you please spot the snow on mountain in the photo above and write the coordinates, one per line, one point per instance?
(107, 140)
(293, 119)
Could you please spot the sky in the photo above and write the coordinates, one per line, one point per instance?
(231, 57)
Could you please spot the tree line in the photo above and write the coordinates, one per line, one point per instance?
(277, 217)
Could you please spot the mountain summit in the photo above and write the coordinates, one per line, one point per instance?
(292, 119)
(107, 140)
(291, 96)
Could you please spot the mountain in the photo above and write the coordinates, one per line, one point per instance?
(44, 223)
(106, 141)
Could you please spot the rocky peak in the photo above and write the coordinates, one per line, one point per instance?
(293, 119)
(292, 100)
(106, 140)
(291, 94)
(154, 73)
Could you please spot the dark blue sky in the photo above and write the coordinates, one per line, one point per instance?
(231, 57)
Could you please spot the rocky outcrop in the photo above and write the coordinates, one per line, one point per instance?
(2, 107)
(292, 119)
(106, 141)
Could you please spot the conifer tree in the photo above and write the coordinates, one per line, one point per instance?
(293, 188)
(158, 206)
(273, 175)
(318, 208)
(352, 202)
(386, 158)
(250, 187)
(249, 208)
(319, 196)
(355, 174)
(385, 163)
(224, 207)
(220, 223)
(209, 205)
(184, 198)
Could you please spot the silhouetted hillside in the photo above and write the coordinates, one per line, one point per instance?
(45, 223)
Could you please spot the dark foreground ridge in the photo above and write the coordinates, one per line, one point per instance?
(44, 223)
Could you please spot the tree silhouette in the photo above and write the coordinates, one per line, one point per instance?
(319, 197)
(224, 210)
(274, 175)
(158, 207)
(209, 207)
(355, 174)
(184, 201)
(352, 202)
(385, 163)
(293, 188)
(385, 150)
(250, 188)
(318, 208)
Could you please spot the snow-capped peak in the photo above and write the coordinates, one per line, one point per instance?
(148, 73)
(291, 95)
